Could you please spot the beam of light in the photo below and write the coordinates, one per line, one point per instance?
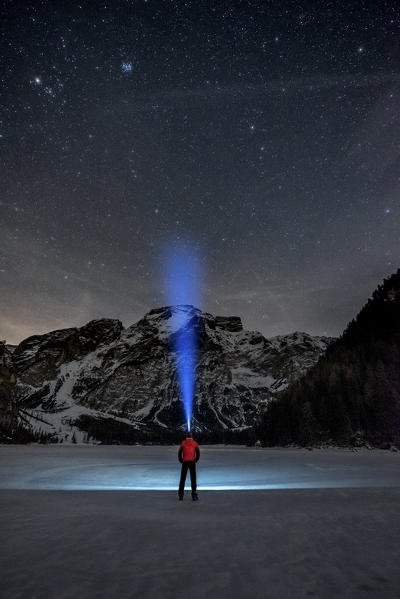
(185, 345)
(183, 274)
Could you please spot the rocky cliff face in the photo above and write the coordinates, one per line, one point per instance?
(38, 358)
(101, 372)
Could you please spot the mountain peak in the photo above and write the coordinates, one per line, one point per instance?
(122, 383)
(170, 319)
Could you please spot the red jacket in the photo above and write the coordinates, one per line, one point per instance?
(189, 451)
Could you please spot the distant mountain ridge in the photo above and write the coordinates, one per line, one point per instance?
(105, 382)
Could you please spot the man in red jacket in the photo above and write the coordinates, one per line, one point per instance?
(188, 455)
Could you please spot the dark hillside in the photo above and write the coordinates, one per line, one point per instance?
(352, 394)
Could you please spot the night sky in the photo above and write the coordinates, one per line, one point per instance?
(262, 136)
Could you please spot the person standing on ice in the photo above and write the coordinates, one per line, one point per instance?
(188, 455)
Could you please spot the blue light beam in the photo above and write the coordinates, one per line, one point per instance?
(183, 295)
(185, 344)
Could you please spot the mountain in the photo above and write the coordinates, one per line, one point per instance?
(352, 395)
(110, 383)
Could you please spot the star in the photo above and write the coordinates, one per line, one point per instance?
(150, 126)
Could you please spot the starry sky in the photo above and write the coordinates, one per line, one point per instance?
(263, 137)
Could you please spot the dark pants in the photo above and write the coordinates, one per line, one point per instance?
(192, 467)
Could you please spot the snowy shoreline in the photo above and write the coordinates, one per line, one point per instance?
(392, 449)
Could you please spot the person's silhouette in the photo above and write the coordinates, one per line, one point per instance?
(188, 455)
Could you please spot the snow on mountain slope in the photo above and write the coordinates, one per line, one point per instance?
(103, 372)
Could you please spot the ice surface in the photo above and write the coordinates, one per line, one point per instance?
(84, 467)
(285, 543)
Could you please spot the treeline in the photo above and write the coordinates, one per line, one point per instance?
(352, 395)
(110, 432)
(25, 434)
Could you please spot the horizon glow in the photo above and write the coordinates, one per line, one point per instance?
(183, 292)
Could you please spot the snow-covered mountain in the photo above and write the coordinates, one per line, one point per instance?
(78, 381)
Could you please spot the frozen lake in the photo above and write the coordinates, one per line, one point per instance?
(290, 524)
(220, 468)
